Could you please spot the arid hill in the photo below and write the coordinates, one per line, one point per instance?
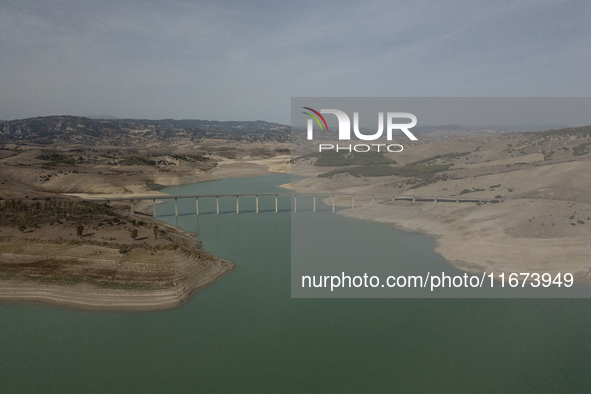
(57, 250)
(125, 132)
(66, 154)
(540, 183)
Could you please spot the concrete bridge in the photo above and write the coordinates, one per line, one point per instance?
(399, 197)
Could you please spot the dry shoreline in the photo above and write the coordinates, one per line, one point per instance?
(170, 277)
(474, 239)
(194, 269)
(478, 239)
(539, 182)
(490, 237)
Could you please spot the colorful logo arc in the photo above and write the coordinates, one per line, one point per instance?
(315, 118)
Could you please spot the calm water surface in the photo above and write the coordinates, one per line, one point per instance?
(246, 335)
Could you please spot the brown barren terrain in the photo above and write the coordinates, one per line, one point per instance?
(48, 164)
(539, 221)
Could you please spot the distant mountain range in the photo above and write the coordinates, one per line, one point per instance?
(454, 130)
(75, 129)
(451, 130)
(108, 117)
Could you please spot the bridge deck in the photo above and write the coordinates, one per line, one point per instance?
(323, 195)
(401, 197)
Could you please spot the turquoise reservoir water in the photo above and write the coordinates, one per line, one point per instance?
(246, 334)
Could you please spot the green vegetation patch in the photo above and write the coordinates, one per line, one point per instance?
(190, 158)
(433, 159)
(27, 215)
(466, 191)
(548, 156)
(372, 171)
(57, 158)
(582, 149)
(454, 155)
(564, 134)
(427, 180)
(341, 159)
(135, 161)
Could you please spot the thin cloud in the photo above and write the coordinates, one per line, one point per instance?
(235, 60)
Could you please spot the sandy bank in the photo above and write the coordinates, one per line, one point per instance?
(251, 167)
(513, 236)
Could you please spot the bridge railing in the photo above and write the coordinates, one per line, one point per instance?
(399, 197)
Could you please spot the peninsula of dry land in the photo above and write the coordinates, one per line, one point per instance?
(56, 249)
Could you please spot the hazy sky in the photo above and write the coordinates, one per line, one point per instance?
(244, 60)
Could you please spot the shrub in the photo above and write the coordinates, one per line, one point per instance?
(340, 159)
(582, 149)
(79, 230)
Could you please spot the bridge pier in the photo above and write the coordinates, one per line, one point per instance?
(401, 197)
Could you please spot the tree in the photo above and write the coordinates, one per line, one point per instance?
(134, 233)
(155, 232)
(79, 230)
